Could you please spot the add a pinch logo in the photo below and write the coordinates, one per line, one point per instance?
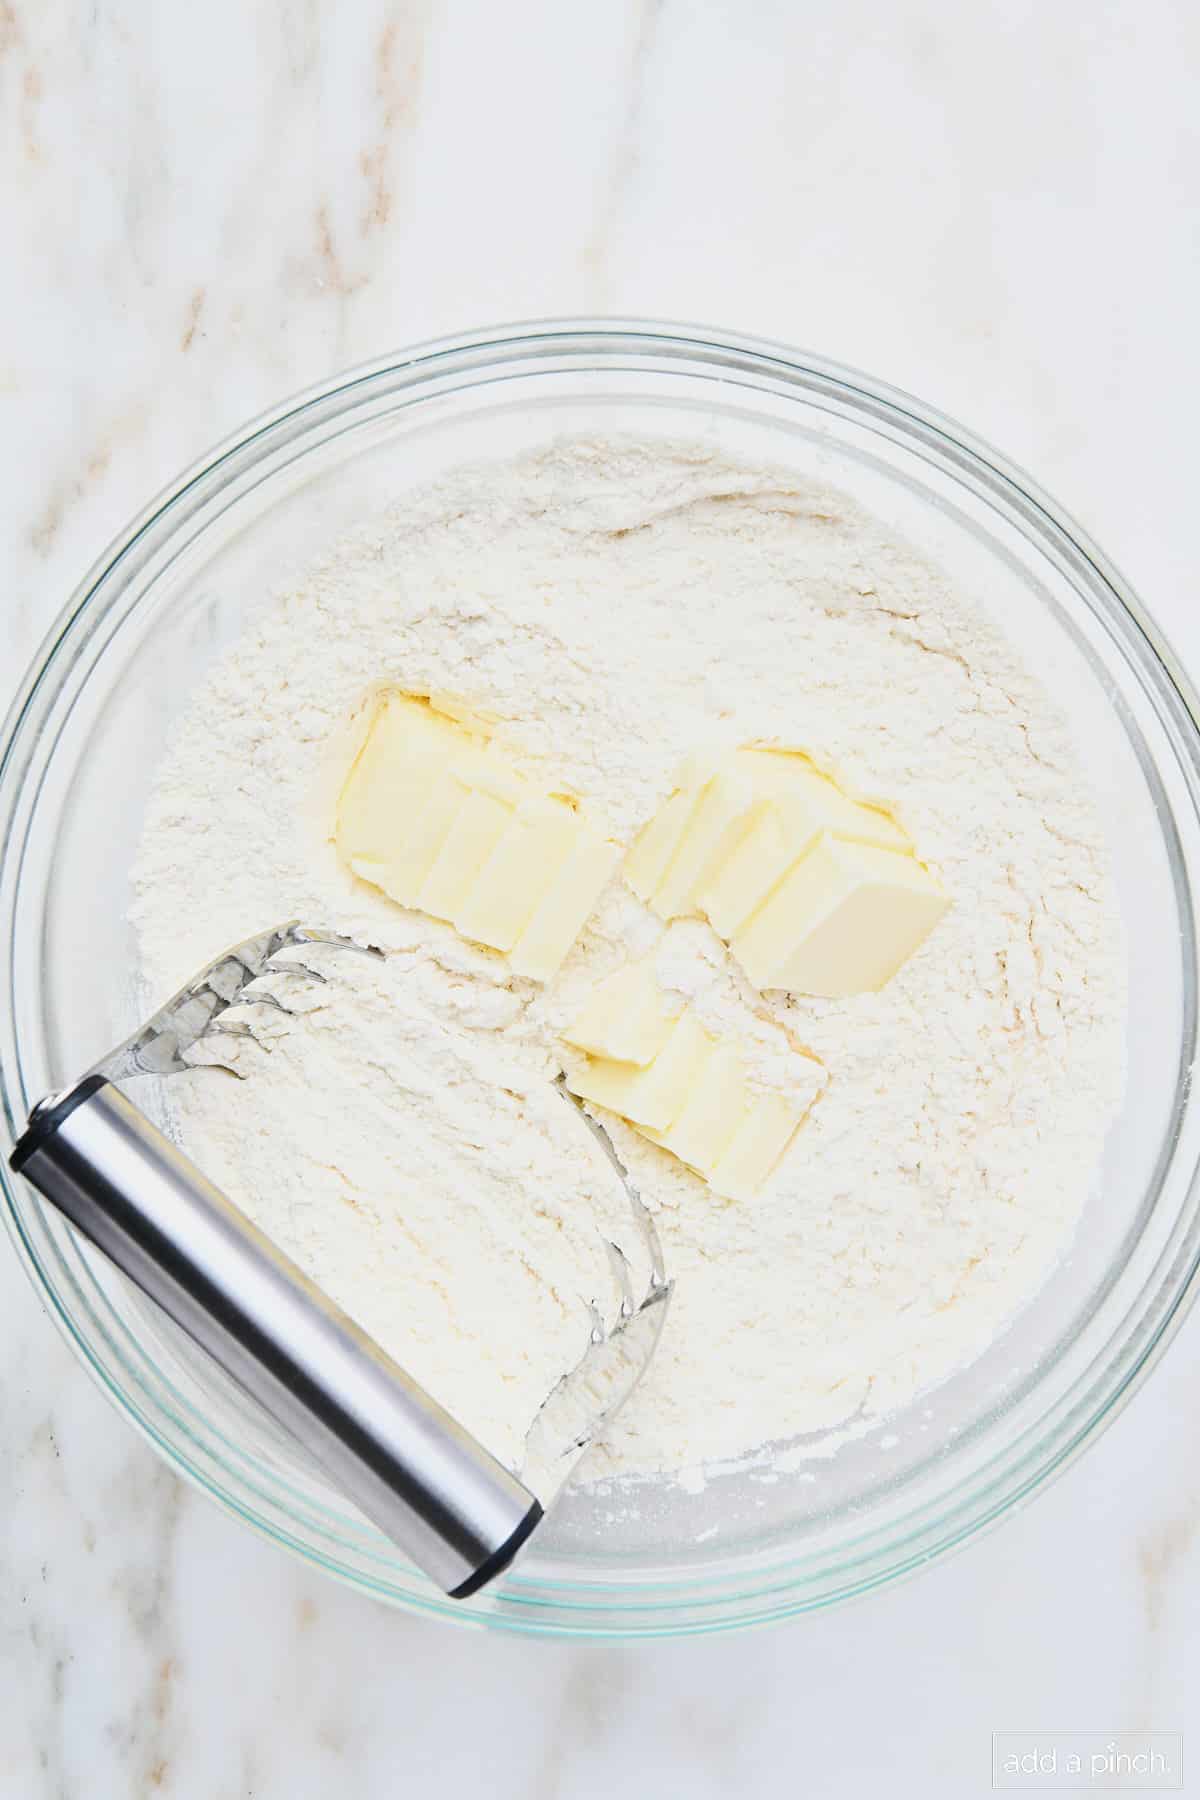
(1087, 1762)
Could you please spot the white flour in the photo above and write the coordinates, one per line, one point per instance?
(615, 606)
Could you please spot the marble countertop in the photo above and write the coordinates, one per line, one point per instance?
(207, 207)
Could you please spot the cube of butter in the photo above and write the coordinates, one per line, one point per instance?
(678, 1086)
(787, 777)
(477, 827)
(652, 1097)
(566, 904)
(628, 1018)
(841, 921)
(510, 884)
(434, 813)
(739, 886)
(721, 816)
(407, 749)
(733, 842)
(795, 804)
(766, 1128)
(655, 845)
(711, 1113)
(681, 856)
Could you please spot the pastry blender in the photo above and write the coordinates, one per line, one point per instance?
(458, 1512)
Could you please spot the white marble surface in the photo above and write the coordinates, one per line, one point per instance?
(206, 207)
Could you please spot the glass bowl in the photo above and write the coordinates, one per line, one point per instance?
(80, 750)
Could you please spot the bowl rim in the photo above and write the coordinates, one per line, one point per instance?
(874, 401)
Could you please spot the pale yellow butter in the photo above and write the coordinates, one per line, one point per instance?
(477, 827)
(739, 886)
(814, 801)
(652, 1097)
(628, 1018)
(405, 749)
(842, 920)
(416, 845)
(721, 816)
(764, 1131)
(656, 843)
(566, 905)
(711, 1114)
(731, 842)
(514, 878)
(434, 813)
(676, 1085)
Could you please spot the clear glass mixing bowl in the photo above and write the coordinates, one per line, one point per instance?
(80, 750)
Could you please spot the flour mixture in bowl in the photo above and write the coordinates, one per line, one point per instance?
(612, 610)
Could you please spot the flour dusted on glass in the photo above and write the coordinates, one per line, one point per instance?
(614, 606)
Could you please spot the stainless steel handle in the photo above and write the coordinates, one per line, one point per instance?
(457, 1512)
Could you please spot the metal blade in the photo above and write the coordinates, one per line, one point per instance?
(160, 1046)
(589, 1396)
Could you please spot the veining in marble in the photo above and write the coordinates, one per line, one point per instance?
(207, 208)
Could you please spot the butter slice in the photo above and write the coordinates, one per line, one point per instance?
(476, 829)
(401, 797)
(628, 1018)
(720, 818)
(711, 1114)
(511, 882)
(841, 922)
(434, 813)
(565, 906)
(650, 855)
(678, 1086)
(416, 844)
(766, 1128)
(652, 1097)
(789, 779)
(679, 858)
(738, 888)
(797, 804)
(734, 842)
